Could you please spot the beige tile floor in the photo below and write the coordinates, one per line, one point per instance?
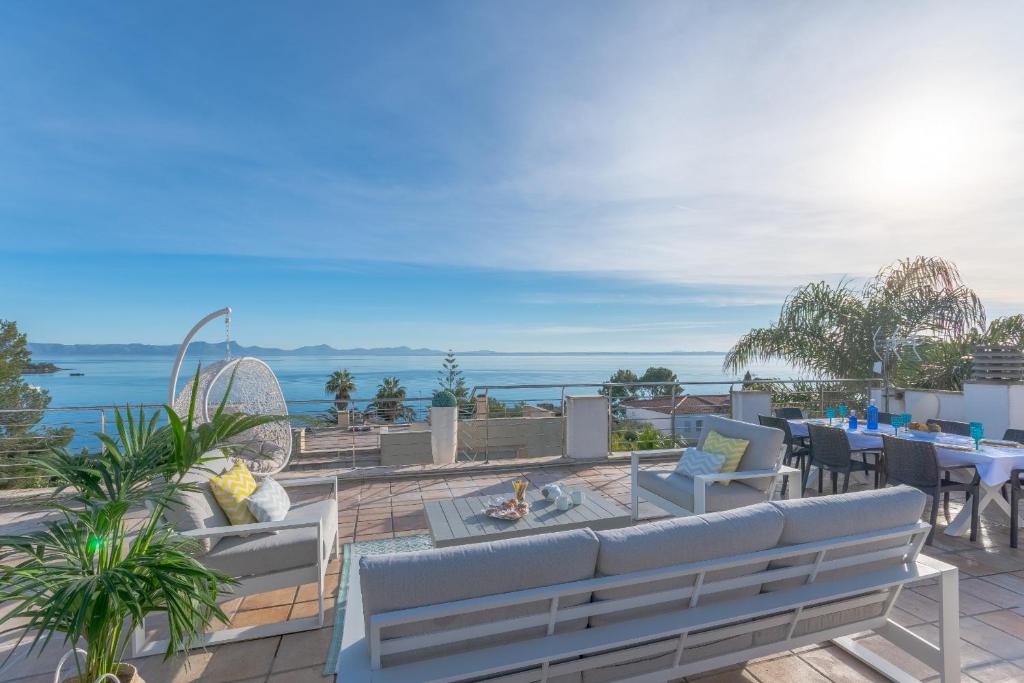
(992, 597)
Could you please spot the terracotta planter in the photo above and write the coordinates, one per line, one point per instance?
(126, 674)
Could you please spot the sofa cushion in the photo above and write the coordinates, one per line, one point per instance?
(763, 453)
(681, 541)
(815, 519)
(198, 509)
(260, 554)
(678, 489)
(403, 580)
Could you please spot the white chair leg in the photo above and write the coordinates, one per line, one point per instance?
(949, 625)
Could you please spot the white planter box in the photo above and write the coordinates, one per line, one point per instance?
(444, 434)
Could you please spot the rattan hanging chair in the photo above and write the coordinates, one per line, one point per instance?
(250, 387)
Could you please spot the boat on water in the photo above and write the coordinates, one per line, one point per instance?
(77, 374)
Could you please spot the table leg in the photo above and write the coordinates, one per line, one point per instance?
(990, 495)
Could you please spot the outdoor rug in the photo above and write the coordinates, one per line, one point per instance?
(350, 553)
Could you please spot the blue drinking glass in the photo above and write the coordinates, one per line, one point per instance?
(843, 410)
(907, 419)
(977, 433)
(830, 413)
(896, 422)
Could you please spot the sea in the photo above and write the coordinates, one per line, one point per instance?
(133, 380)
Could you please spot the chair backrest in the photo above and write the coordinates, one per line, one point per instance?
(952, 427)
(885, 418)
(778, 423)
(765, 451)
(913, 463)
(829, 446)
(789, 413)
(1014, 435)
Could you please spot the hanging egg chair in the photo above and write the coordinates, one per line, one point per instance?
(249, 386)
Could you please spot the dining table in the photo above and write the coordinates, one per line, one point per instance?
(993, 459)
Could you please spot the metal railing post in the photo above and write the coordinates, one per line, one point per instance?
(672, 414)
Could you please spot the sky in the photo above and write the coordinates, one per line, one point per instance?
(627, 176)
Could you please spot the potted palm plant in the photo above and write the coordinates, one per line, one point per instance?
(93, 575)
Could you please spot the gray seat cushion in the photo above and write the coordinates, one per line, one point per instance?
(680, 541)
(678, 489)
(199, 509)
(815, 519)
(261, 554)
(403, 580)
(763, 453)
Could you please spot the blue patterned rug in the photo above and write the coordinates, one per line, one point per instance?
(350, 553)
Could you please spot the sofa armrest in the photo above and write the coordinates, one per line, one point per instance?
(331, 481)
(702, 481)
(254, 528)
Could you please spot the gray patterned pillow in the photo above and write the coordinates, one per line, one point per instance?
(696, 462)
(269, 502)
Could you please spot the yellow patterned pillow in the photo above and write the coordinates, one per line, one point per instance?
(231, 490)
(732, 449)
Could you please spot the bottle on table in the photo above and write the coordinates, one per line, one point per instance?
(873, 416)
(853, 420)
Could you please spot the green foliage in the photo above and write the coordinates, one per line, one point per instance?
(660, 375)
(389, 402)
(341, 385)
(632, 436)
(496, 408)
(90, 575)
(20, 433)
(450, 377)
(444, 399)
(828, 330)
(621, 376)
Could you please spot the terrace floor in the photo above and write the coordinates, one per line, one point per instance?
(991, 596)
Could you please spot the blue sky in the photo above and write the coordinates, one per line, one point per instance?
(515, 176)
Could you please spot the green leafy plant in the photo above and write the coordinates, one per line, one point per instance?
(92, 576)
(444, 399)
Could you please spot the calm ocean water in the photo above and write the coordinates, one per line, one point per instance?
(117, 381)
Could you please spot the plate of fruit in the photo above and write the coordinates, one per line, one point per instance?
(510, 509)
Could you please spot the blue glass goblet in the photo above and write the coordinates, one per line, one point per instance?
(977, 433)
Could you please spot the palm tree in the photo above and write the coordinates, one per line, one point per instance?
(342, 385)
(388, 401)
(828, 330)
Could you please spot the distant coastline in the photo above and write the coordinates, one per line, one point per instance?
(46, 350)
(40, 369)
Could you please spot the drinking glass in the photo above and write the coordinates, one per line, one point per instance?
(830, 413)
(907, 419)
(842, 411)
(897, 422)
(977, 433)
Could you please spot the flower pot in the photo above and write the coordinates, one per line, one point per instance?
(125, 674)
(444, 434)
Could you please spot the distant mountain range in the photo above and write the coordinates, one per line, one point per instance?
(43, 350)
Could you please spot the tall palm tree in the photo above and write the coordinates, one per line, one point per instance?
(389, 399)
(828, 330)
(342, 385)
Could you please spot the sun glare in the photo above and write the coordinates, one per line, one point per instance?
(925, 150)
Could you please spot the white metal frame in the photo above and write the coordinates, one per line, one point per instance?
(541, 658)
(315, 571)
(701, 484)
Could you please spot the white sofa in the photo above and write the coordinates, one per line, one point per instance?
(754, 481)
(659, 601)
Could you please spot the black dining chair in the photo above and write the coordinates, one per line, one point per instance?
(789, 413)
(952, 427)
(884, 418)
(1015, 487)
(916, 464)
(830, 452)
(794, 451)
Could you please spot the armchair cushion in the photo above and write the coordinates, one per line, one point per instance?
(269, 502)
(231, 490)
(678, 489)
(261, 554)
(696, 462)
(732, 449)
(763, 453)
(199, 509)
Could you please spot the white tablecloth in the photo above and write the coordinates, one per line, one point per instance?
(992, 462)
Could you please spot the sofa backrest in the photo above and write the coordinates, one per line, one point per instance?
(199, 509)
(763, 453)
(404, 580)
(680, 541)
(816, 519)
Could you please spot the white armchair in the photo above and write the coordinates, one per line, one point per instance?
(755, 479)
(297, 553)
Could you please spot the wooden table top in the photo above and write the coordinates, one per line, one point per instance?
(455, 521)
